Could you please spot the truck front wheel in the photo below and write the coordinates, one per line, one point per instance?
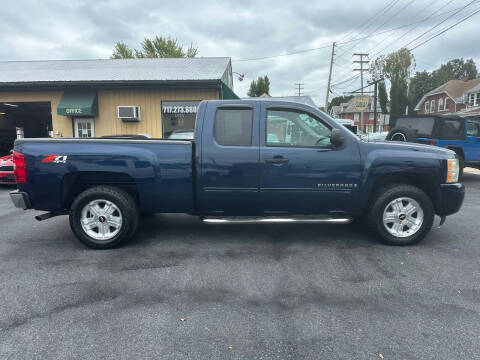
(104, 217)
(401, 214)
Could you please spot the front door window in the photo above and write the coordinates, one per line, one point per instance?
(84, 127)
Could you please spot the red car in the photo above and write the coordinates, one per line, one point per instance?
(6, 170)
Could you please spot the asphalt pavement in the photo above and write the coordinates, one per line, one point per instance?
(187, 290)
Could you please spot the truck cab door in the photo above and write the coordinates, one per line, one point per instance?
(229, 160)
(301, 172)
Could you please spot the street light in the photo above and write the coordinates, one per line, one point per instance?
(240, 76)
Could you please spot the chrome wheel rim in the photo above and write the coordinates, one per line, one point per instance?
(101, 220)
(403, 217)
(398, 137)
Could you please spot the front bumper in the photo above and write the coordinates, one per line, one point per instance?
(20, 199)
(452, 196)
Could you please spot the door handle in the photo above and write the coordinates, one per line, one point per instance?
(277, 160)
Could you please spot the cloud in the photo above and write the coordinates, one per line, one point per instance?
(52, 29)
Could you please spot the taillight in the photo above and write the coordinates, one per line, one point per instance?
(19, 167)
(433, 142)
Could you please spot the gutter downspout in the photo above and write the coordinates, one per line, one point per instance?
(220, 90)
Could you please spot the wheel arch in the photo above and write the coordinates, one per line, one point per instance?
(427, 184)
(75, 183)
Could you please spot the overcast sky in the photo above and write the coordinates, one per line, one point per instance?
(48, 29)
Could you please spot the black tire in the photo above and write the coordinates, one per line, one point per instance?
(123, 201)
(383, 198)
(401, 134)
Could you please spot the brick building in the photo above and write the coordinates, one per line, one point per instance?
(453, 97)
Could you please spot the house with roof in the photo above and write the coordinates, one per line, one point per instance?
(453, 97)
(87, 98)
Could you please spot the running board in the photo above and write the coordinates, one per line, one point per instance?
(277, 219)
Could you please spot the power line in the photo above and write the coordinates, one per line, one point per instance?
(440, 23)
(427, 18)
(382, 12)
(286, 54)
(417, 25)
(446, 29)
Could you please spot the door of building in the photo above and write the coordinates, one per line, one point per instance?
(84, 127)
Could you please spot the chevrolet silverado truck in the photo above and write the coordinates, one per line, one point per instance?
(249, 161)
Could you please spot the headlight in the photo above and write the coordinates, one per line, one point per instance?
(453, 170)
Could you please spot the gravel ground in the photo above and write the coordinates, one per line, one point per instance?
(244, 291)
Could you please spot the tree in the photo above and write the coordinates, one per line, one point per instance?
(121, 51)
(158, 47)
(337, 100)
(259, 87)
(396, 67)
(383, 97)
(420, 84)
(423, 82)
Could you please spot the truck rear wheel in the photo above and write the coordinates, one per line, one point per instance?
(401, 214)
(104, 217)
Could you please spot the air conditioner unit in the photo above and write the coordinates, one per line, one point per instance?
(128, 113)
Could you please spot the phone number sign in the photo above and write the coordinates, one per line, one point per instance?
(180, 107)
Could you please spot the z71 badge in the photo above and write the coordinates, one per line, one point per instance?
(55, 158)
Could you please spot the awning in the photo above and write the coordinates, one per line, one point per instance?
(78, 103)
(227, 93)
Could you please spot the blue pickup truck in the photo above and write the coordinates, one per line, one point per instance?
(266, 161)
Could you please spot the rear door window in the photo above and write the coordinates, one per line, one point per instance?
(233, 127)
(452, 129)
(472, 129)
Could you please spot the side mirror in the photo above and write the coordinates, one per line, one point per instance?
(337, 139)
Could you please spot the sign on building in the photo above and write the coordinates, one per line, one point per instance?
(360, 102)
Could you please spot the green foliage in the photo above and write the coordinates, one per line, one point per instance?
(338, 100)
(423, 82)
(121, 51)
(158, 47)
(383, 97)
(259, 87)
(395, 67)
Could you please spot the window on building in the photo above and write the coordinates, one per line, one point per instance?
(427, 107)
(84, 127)
(477, 99)
(370, 116)
(432, 106)
(178, 116)
(471, 101)
(233, 127)
(447, 103)
(440, 105)
(296, 129)
(356, 117)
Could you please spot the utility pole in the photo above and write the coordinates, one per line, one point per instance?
(362, 69)
(329, 77)
(299, 88)
(375, 106)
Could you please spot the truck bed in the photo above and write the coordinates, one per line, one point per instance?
(160, 169)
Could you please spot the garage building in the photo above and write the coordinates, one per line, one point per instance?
(92, 98)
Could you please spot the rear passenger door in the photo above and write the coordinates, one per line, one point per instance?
(229, 179)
